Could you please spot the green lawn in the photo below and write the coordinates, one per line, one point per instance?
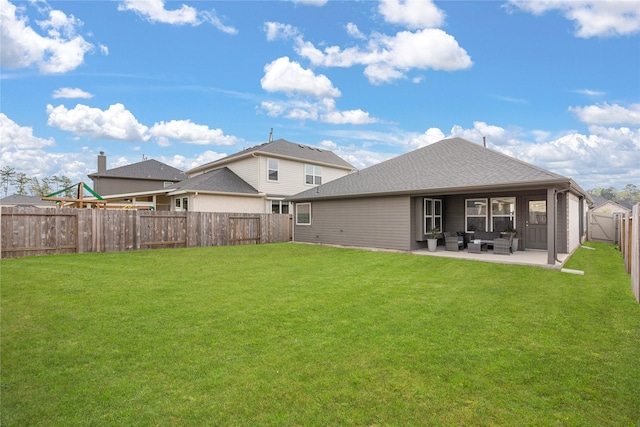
(299, 335)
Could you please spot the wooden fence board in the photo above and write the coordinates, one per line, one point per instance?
(38, 231)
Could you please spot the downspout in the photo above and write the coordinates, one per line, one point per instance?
(555, 212)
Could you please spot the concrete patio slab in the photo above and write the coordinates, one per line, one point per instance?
(537, 258)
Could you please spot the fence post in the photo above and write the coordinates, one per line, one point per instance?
(635, 251)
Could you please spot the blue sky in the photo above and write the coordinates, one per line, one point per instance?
(554, 83)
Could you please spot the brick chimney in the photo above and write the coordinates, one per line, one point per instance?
(102, 162)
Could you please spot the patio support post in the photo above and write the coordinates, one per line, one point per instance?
(551, 225)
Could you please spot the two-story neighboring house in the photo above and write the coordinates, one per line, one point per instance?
(254, 180)
(258, 179)
(142, 176)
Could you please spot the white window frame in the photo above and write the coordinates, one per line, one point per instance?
(313, 171)
(280, 204)
(484, 215)
(270, 169)
(511, 215)
(298, 206)
(432, 215)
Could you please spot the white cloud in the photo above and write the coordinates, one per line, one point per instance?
(154, 11)
(276, 30)
(283, 75)
(69, 92)
(25, 153)
(413, 14)
(190, 133)
(311, 2)
(323, 110)
(590, 92)
(593, 18)
(60, 51)
(387, 58)
(114, 123)
(16, 137)
(104, 49)
(430, 136)
(606, 114)
(354, 31)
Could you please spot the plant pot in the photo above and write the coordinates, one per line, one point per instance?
(514, 244)
(432, 244)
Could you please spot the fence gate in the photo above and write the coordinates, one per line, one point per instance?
(244, 230)
(603, 227)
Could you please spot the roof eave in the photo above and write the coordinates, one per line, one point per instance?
(514, 186)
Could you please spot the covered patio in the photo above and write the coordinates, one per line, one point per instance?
(537, 258)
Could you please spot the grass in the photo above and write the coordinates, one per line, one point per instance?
(298, 335)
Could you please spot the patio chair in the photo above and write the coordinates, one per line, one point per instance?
(453, 242)
(502, 246)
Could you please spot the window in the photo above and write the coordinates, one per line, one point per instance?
(167, 184)
(476, 214)
(185, 203)
(313, 174)
(303, 214)
(432, 215)
(538, 212)
(272, 169)
(503, 211)
(279, 207)
(178, 205)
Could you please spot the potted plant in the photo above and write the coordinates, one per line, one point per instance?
(432, 240)
(514, 238)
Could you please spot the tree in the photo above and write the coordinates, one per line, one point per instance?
(21, 181)
(7, 173)
(609, 193)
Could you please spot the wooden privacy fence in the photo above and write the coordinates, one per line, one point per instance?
(37, 231)
(630, 247)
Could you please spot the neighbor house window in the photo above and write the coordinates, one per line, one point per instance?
(313, 174)
(272, 169)
(279, 207)
(167, 184)
(432, 215)
(476, 214)
(303, 214)
(503, 213)
(178, 204)
(185, 203)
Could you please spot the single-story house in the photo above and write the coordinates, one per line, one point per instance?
(606, 206)
(17, 200)
(453, 185)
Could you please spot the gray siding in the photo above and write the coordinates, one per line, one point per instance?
(380, 222)
(110, 185)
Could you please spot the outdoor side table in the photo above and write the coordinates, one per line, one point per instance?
(476, 248)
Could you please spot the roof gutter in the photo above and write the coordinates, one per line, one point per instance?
(216, 193)
(535, 185)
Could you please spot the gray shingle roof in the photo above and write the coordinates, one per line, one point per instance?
(148, 169)
(448, 164)
(19, 200)
(599, 201)
(218, 180)
(281, 147)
